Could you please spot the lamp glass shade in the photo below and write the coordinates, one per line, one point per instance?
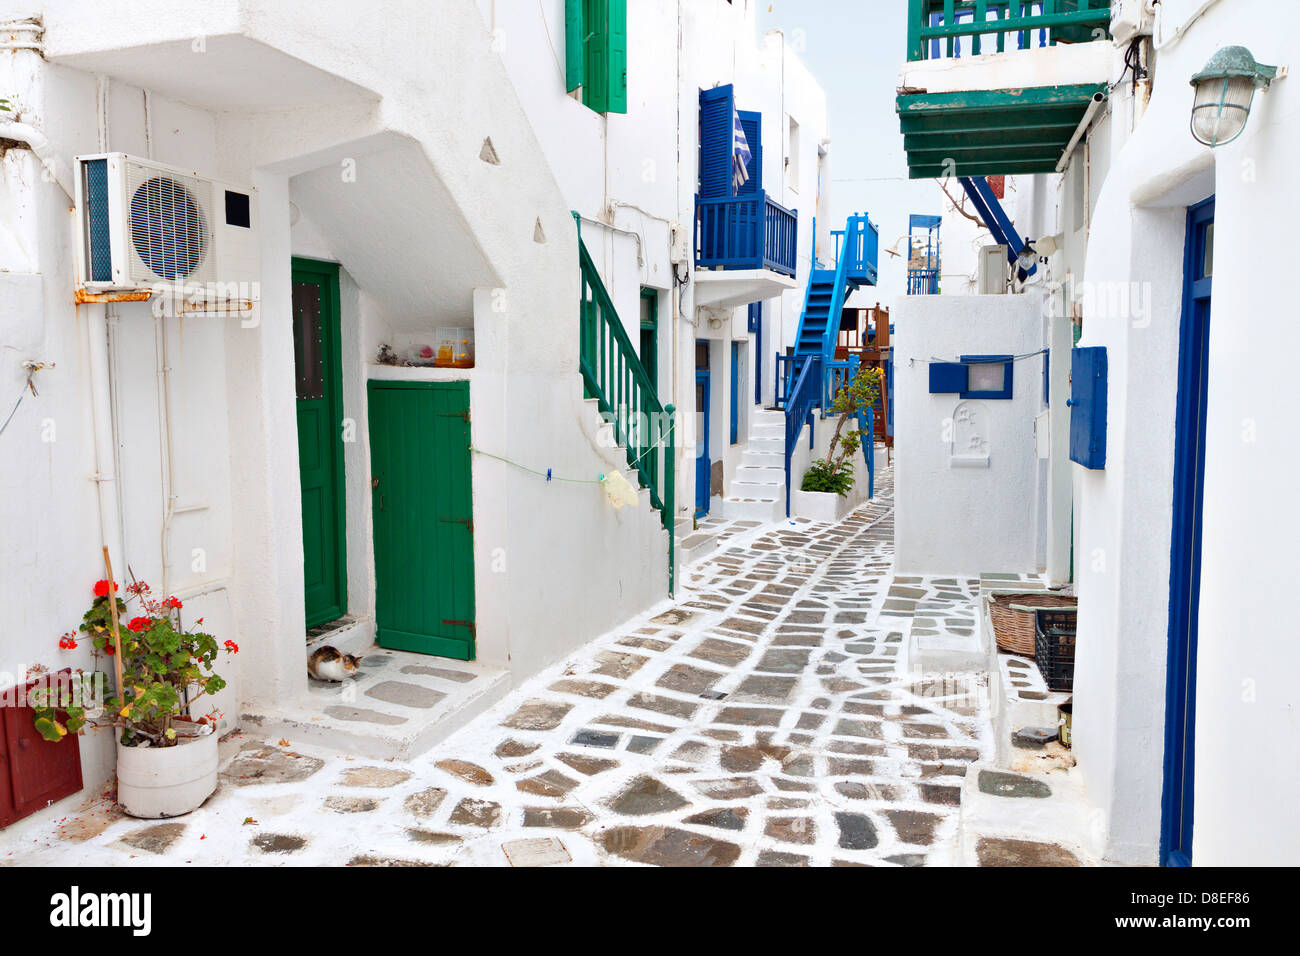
(1221, 108)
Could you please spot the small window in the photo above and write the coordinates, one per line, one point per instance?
(988, 376)
(238, 209)
(701, 354)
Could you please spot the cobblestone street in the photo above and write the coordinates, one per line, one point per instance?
(769, 717)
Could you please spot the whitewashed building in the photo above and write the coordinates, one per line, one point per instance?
(1171, 519)
(373, 183)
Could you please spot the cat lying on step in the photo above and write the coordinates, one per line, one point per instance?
(326, 663)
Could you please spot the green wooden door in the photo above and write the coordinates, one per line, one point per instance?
(423, 508)
(318, 371)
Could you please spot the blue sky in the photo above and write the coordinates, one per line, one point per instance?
(855, 48)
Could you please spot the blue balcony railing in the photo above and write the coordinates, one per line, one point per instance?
(859, 244)
(922, 281)
(745, 232)
(937, 29)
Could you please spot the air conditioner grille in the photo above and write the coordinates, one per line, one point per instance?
(169, 225)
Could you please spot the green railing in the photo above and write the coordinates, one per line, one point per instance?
(936, 28)
(628, 399)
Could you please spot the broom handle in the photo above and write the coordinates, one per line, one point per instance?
(117, 634)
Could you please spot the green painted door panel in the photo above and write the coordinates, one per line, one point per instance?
(318, 375)
(423, 517)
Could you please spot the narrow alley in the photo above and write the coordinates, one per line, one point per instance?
(769, 717)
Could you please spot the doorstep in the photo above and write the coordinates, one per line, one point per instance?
(1025, 819)
(401, 705)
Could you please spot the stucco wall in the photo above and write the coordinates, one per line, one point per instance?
(1247, 756)
(954, 518)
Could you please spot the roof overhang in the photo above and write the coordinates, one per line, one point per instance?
(732, 288)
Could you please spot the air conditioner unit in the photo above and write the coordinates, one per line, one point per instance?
(1131, 18)
(142, 224)
(992, 271)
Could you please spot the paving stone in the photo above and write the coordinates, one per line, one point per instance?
(857, 832)
(999, 852)
(592, 738)
(686, 679)
(378, 778)
(750, 716)
(587, 765)
(364, 715)
(724, 818)
(662, 704)
(934, 793)
(730, 788)
(1033, 738)
(668, 846)
(673, 616)
(907, 859)
(426, 802)
(432, 837)
(559, 818)
(156, 839)
(777, 858)
(265, 765)
(550, 783)
(765, 688)
(469, 772)
(725, 653)
(538, 715)
(784, 660)
(643, 745)
(791, 829)
(1001, 784)
(618, 665)
(351, 804)
(476, 813)
(634, 723)
(914, 826)
(584, 688)
(515, 748)
(445, 673)
(406, 694)
(646, 795)
(544, 851)
(279, 842)
(372, 860)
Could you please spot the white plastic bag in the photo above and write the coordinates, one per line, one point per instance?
(619, 491)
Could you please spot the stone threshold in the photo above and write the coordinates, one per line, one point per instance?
(400, 706)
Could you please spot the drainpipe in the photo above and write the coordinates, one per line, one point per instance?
(1088, 117)
(36, 141)
(104, 434)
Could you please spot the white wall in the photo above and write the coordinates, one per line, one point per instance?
(954, 518)
(1247, 751)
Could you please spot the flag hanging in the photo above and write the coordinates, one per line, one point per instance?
(741, 156)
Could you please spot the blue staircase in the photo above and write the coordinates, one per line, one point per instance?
(999, 223)
(857, 251)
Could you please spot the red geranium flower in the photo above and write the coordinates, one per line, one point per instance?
(138, 587)
(232, 647)
(108, 648)
(173, 601)
(101, 588)
(68, 642)
(139, 624)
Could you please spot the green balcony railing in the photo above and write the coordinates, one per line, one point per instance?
(614, 376)
(938, 29)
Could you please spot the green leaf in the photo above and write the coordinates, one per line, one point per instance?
(51, 730)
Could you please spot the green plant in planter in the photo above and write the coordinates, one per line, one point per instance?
(834, 473)
(166, 667)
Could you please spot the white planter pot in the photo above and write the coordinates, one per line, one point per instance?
(819, 505)
(154, 782)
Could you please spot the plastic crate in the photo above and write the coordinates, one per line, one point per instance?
(1054, 636)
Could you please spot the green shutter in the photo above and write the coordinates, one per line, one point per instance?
(573, 43)
(616, 37)
(595, 90)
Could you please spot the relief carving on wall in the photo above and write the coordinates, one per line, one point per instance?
(970, 436)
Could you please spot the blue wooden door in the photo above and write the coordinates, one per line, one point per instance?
(1185, 549)
(702, 463)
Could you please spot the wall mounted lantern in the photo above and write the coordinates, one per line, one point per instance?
(1224, 91)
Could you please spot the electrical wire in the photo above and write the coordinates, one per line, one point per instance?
(949, 361)
(549, 476)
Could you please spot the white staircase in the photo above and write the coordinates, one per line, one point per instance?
(756, 492)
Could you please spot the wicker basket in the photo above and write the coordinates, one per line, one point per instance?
(1013, 618)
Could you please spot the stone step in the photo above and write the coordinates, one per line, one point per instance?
(764, 430)
(759, 474)
(766, 509)
(762, 459)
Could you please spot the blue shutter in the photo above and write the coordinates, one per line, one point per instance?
(716, 137)
(755, 316)
(947, 377)
(753, 126)
(1088, 407)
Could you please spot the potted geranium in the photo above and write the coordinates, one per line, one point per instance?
(166, 755)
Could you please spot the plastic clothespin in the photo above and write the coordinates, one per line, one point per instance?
(548, 474)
